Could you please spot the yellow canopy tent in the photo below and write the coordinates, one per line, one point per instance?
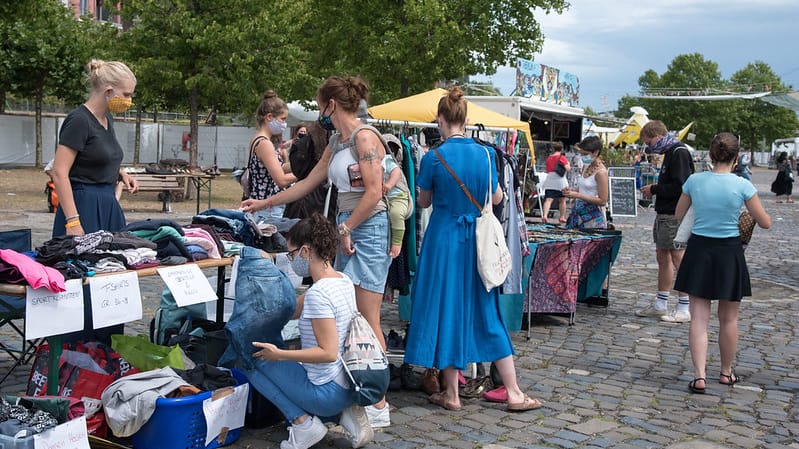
(684, 132)
(423, 107)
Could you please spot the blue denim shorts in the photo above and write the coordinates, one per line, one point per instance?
(368, 267)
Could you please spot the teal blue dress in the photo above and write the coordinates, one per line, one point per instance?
(454, 320)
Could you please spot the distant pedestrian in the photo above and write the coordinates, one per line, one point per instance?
(742, 167)
(677, 164)
(714, 267)
(557, 166)
(783, 184)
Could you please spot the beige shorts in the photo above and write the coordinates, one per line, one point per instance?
(663, 232)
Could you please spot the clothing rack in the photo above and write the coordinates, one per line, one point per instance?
(407, 124)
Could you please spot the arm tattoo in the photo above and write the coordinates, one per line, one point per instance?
(370, 155)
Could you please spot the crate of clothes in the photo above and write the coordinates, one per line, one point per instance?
(23, 417)
(164, 408)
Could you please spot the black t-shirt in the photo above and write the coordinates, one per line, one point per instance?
(99, 153)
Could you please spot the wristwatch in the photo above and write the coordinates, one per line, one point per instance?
(343, 229)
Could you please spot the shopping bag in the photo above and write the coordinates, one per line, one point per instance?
(145, 355)
(85, 370)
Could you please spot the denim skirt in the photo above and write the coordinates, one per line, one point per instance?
(368, 267)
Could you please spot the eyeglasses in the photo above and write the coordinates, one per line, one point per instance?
(293, 253)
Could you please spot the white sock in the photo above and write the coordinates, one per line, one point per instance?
(662, 300)
(683, 304)
(305, 424)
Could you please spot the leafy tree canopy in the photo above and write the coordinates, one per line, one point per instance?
(753, 120)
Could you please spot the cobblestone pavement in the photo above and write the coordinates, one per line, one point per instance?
(613, 380)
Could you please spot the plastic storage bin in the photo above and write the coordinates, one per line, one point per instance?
(7, 442)
(179, 423)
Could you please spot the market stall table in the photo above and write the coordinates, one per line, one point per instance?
(55, 340)
(566, 266)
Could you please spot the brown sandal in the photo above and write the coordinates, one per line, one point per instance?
(527, 404)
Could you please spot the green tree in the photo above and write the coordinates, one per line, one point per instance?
(689, 71)
(45, 50)
(405, 47)
(755, 120)
(199, 55)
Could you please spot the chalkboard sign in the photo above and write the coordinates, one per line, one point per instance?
(622, 197)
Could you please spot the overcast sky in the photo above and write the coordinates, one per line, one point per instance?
(610, 44)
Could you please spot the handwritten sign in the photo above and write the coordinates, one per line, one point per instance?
(622, 197)
(70, 435)
(116, 299)
(41, 305)
(224, 411)
(188, 284)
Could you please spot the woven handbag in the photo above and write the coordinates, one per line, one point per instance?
(746, 225)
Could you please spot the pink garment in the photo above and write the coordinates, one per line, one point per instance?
(36, 274)
(213, 250)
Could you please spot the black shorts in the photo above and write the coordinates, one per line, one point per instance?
(552, 193)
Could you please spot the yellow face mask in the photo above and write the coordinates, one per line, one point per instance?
(118, 105)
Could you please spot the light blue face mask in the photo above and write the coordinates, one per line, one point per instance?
(301, 266)
(587, 158)
(277, 127)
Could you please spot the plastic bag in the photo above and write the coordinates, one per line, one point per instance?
(145, 355)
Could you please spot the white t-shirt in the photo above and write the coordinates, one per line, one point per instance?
(327, 298)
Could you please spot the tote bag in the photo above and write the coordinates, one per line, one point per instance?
(365, 362)
(493, 256)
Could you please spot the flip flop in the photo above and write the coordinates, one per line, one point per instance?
(527, 404)
(441, 400)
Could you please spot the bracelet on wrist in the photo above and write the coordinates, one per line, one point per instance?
(72, 224)
(343, 229)
(73, 217)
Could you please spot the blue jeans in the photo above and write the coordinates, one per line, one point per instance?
(286, 385)
(265, 301)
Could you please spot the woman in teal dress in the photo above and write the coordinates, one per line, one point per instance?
(454, 320)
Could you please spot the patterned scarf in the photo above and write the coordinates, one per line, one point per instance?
(665, 143)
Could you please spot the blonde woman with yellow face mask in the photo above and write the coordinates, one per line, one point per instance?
(88, 157)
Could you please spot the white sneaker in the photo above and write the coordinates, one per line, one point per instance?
(677, 317)
(356, 423)
(651, 310)
(304, 438)
(378, 417)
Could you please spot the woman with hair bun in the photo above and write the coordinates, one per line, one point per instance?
(87, 169)
(454, 320)
(352, 161)
(311, 382)
(714, 267)
(265, 161)
(87, 161)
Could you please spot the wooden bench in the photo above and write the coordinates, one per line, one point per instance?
(164, 184)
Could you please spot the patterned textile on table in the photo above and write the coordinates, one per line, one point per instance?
(557, 270)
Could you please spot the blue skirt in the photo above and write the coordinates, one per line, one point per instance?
(98, 209)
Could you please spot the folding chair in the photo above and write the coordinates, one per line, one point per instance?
(13, 308)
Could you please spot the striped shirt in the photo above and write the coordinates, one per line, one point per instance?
(327, 298)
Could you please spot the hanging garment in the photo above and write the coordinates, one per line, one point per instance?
(265, 301)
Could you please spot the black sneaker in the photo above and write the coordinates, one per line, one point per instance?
(408, 378)
(395, 379)
(394, 342)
